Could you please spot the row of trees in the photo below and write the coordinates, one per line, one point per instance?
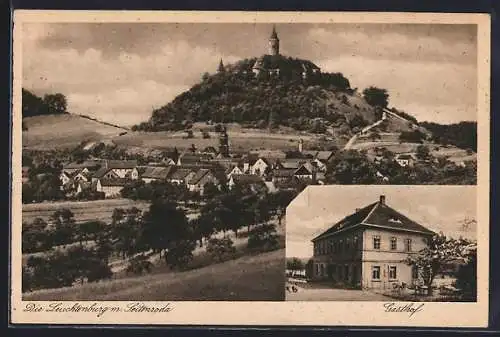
(49, 104)
(133, 235)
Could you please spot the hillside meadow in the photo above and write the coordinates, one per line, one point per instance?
(62, 131)
(250, 278)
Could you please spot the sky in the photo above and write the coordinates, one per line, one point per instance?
(120, 72)
(439, 208)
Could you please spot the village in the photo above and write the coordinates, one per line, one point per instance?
(270, 170)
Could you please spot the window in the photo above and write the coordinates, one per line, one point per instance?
(408, 245)
(376, 272)
(317, 269)
(347, 245)
(394, 243)
(355, 242)
(376, 242)
(341, 246)
(392, 273)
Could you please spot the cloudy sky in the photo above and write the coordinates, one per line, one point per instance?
(439, 208)
(119, 72)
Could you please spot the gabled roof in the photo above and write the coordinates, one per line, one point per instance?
(157, 172)
(180, 174)
(194, 157)
(121, 164)
(283, 173)
(324, 155)
(378, 215)
(101, 172)
(246, 179)
(292, 163)
(198, 176)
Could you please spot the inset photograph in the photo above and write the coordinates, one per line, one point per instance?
(382, 243)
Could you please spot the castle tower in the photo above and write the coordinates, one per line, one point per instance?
(274, 43)
(220, 68)
(301, 145)
(224, 144)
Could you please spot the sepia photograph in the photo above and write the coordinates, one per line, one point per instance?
(406, 243)
(175, 157)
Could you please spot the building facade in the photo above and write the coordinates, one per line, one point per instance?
(368, 249)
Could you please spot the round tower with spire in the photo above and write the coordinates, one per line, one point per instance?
(274, 43)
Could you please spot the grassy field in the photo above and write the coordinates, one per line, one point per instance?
(73, 129)
(58, 131)
(251, 278)
(83, 210)
(239, 139)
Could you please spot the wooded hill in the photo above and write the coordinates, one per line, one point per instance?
(319, 103)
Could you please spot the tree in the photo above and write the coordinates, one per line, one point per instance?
(376, 97)
(165, 225)
(180, 254)
(139, 264)
(467, 275)
(221, 249)
(351, 167)
(309, 268)
(263, 237)
(125, 231)
(439, 253)
(294, 264)
(55, 103)
(411, 136)
(423, 152)
(64, 226)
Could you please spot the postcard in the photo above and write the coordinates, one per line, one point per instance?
(250, 168)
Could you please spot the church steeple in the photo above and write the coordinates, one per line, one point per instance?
(274, 43)
(221, 68)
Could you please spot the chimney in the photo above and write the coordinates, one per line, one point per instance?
(382, 199)
(358, 209)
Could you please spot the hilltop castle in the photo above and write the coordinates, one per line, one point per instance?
(277, 65)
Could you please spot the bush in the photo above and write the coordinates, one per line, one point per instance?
(180, 254)
(139, 264)
(263, 237)
(221, 249)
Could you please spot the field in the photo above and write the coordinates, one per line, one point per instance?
(62, 131)
(59, 131)
(251, 278)
(239, 140)
(83, 210)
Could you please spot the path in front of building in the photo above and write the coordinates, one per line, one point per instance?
(324, 294)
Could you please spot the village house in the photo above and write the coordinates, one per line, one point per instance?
(89, 165)
(110, 187)
(368, 248)
(181, 176)
(104, 173)
(406, 159)
(235, 170)
(156, 173)
(123, 168)
(260, 166)
(253, 182)
(189, 158)
(200, 179)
